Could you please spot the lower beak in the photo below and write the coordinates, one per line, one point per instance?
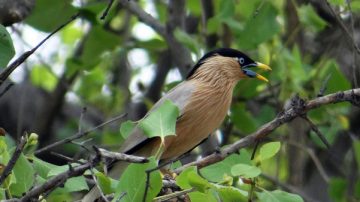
(263, 67)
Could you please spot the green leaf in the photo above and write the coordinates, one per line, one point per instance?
(2, 194)
(246, 171)
(242, 119)
(337, 81)
(24, 174)
(76, 184)
(259, 29)
(42, 168)
(4, 152)
(278, 196)
(198, 182)
(269, 150)
(98, 41)
(42, 76)
(71, 33)
(7, 50)
(48, 16)
(189, 179)
(218, 171)
(182, 180)
(126, 128)
(190, 42)
(231, 194)
(194, 7)
(162, 121)
(202, 197)
(132, 182)
(356, 145)
(337, 189)
(154, 44)
(227, 9)
(104, 183)
(310, 18)
(337, 2)
(60, 169)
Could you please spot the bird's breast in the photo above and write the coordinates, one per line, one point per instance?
(203, 114)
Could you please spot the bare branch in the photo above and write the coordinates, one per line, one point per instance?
(352, 96)
(107, 10)
(13, 160)
(143, 16)
(343, 27)
(58, 180)
(121, 156)
(78, 135)
(9, 69)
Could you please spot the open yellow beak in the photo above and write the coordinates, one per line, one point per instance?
(263, 67)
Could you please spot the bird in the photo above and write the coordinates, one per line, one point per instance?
(203, 100)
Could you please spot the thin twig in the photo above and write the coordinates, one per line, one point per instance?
(173, 195)
(343, 26)
(9, 69)
(97, 185)
(107, 10)
(13, 160)
(83, 111)
(314, 158)
(6, 89)
(324, 86)
(121, 156)
(58, 180)
(144, 17)
(352, 96)
(78, 135)
(316, 130)
(353, 64)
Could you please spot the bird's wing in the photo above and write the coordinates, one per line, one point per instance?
(179, 95)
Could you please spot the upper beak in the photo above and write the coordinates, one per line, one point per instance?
(256, 75)
(264, 67)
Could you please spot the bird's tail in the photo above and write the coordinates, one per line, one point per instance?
(115, 172)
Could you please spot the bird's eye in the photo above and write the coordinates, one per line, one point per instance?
(241, 60)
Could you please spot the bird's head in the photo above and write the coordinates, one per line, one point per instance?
(228, 62)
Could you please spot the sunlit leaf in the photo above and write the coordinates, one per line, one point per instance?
(42, 76)
(24, 175)
(259, 29)
(161, 122)
(269, 150)
(133, 181)
(311, 19)
(278, 196)
(217, 171)
(126, 128)
(231, 194)
(244, 170)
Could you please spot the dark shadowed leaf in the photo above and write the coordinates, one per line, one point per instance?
(7, 50)
(48, 16)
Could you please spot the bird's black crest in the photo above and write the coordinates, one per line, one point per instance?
(226, 52)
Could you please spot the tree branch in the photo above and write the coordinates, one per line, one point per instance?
(352, 96)
(9, 69)
(77, 135)
(143, 16)
(180, 54)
